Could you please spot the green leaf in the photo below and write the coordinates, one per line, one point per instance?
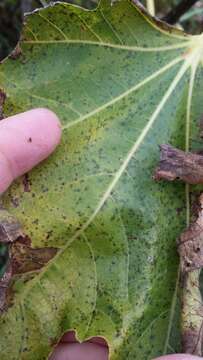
(122, 84)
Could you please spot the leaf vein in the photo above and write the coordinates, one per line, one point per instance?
(53, 25)
(180, 45)
(111, 27)
(124, 94)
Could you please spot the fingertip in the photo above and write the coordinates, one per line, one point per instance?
(84, 351)
(179, 357)
(6, 176)
(48, 123)
(25, 140)
(40, 123)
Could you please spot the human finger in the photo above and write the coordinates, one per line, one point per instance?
(25, 140)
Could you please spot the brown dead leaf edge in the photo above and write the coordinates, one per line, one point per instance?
(22, 257)
(176, 164)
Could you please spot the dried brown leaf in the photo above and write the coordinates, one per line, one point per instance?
(177, 164)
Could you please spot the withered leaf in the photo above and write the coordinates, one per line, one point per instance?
(10, 228)
(190, 245)
(22, 257)
(177, 164)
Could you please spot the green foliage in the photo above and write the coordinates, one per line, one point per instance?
(121, 84)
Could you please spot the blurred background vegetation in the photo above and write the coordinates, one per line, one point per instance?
(11, 16)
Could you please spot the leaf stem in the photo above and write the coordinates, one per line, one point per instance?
(151, 7)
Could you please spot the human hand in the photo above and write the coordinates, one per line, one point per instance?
(96, 349)
(25, 140)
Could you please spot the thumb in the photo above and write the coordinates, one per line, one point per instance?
(25, 140)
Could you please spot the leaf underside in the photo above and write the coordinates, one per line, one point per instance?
(121, 84)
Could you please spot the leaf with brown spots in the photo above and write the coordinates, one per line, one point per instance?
(121, 83)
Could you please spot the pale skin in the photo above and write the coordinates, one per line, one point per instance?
(25, 140)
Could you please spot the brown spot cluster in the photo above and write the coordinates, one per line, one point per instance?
(176, 164)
